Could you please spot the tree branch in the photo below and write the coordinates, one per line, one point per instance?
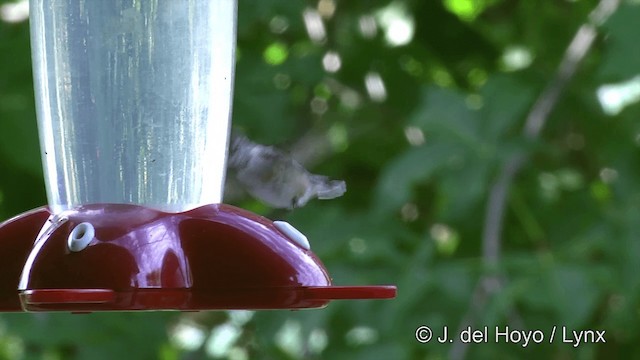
(490, 283)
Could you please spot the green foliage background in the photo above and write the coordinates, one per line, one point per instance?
(414, 211)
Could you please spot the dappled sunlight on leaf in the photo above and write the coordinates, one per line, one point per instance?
(276, 53)
(615, 97)
(397, 23)
(15, 12)
(468, 9)
(375, 87)
(315, 26)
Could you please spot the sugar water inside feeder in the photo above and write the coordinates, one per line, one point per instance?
(133, 100)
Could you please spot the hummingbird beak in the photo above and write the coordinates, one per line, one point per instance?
(330, 189)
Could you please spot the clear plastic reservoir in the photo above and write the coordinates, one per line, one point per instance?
(133, 100)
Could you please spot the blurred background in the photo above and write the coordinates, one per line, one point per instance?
(490, 183)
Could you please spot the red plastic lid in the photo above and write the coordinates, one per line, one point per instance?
(127, 257)
(16, 240)
(185, 299)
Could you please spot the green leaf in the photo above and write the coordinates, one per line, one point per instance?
(444, 115)
(506, 100)
(96, 336)
(416, 165)
(621, 59)
(461, 189)
(571, 283)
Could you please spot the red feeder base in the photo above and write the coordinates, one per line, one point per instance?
(120, 257)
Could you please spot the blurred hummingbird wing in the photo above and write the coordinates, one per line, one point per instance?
(239, 146)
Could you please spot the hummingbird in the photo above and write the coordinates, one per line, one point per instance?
(275, 177)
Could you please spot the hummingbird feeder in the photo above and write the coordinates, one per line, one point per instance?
(133, 101)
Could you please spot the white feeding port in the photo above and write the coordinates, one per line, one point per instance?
(292, 233)
(81, 236)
